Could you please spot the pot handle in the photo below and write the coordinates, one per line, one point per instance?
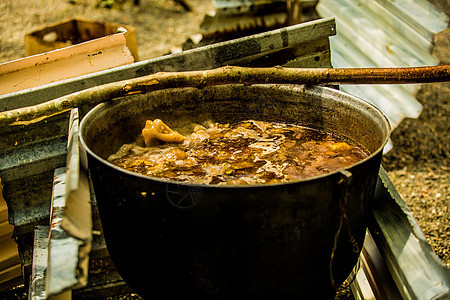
(343, 185)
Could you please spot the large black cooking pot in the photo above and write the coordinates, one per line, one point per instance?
(262, 241)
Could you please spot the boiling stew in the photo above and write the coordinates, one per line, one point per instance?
(249, 152)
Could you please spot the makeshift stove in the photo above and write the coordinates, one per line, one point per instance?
(45, 179)
(394, 250)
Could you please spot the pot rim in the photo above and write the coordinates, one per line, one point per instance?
(290, 87)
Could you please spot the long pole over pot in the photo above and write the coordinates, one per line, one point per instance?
(224, 75)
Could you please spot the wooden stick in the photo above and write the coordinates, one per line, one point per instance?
(224, 75)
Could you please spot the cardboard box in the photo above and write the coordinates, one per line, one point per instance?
(108, 48)
(75, 31)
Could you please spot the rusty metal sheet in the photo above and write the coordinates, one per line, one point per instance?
(71, 220)
(381, 33)
(67, 255)
(39, 269)
(404, 247)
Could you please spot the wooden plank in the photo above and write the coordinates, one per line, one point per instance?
(416, 269)
(8, 252)
(5, 228)
(11, 283)
(3, 205)
(10, 267)
(3, 209)
(10, 273)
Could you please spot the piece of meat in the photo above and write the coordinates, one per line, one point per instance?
(157, 131)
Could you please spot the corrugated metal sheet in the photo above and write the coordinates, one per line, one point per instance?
(384, 33)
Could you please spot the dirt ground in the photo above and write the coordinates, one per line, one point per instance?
(418, 165)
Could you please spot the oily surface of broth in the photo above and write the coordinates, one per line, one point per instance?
(250, 152)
